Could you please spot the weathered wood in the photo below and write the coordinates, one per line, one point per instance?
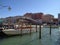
(21, 28)
(36, 28)
(30, 28)
(50, 29)
(40, 31)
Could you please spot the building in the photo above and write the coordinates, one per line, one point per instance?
(28, 15)
(35, 16)
(47, 18)
(55, 20)
(59, 18)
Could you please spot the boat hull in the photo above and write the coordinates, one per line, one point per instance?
(11, 32)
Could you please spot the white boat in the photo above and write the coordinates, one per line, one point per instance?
(18, 31)
(11, 32)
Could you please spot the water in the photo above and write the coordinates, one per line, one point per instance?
(33, 39)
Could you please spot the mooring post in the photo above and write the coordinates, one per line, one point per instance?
(30, 28)
(40, 31)
(36, 28)
(50, 28)
(21, 28)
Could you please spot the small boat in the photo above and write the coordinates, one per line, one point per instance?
(11, 32)
(17, 31)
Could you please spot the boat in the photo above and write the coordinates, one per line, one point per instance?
(11, 32)
(18, 31)
(8, 30)
(25, 30)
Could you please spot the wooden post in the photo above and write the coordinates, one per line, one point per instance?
(30, 28)
(21, 28)
(40, 31)
(36, 28)
(50, 28)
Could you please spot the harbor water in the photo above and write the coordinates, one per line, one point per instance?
(33, 38)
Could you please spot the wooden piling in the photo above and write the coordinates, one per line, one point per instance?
(40, 31)
(36, 28)
(30, 28)
(50, 29)
(21, 28)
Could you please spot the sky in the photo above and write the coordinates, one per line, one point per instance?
(20, 7)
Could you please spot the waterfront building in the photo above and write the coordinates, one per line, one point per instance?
(47, 18)
(28, 15)
(55, 20)
(59, 18)
(36, 16)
